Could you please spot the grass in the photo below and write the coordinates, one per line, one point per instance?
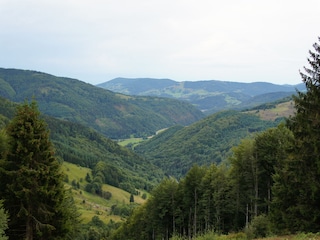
(90, 205)
(243, 236)
(285, 109)
(131, 141)
(135, 141)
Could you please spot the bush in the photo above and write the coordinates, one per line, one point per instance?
(259, 227)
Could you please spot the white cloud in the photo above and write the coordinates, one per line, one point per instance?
(184, 40)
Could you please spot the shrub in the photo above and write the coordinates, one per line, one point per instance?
(259, 227)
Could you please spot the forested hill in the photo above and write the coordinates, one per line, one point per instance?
(209, 96)
(85, 147)
(207, 141)
(113, 114)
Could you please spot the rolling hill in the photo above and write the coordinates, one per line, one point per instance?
(112, 114)
(207, 141)
(209, 96)
(83, 146)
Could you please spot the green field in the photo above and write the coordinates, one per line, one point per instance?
(91, 205)
(285, 109)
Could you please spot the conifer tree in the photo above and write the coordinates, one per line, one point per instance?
(297, 183)
(3, 222)
(3, 214)
(33, 189)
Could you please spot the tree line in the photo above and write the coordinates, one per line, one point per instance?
(222, 198)
(271, 183)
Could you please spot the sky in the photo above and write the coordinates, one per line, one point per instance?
(185, 40)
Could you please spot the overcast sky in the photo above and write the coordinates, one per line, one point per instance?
(98, 40)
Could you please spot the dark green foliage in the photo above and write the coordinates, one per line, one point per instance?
(259, 227)
(221, 198)
(114, 115)
(198, 203)
(144, 196)
(123, 210)
(3, 222)
(85, 147)
(297, 188)
(206, 141)
(131, 198)
(32, 183)
(142, 176)
(96, 229)
(88, 178)
(254, 163)
(4, 148)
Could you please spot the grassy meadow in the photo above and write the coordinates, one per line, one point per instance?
(91, 205)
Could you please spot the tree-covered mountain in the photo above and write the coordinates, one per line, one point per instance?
(114, 115)
(270, 184)
(86, 147)
(207, 141)
(209, 96)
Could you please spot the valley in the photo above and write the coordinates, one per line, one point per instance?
(119, 150)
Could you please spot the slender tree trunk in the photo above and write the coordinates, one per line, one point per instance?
(189, 224)
(256, 186)
(269, 195)
(256, 190)
(195, 213)
(29, 228)
(247, 216)
(173, 214)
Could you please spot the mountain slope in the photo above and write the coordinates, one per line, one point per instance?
(206, 141)
(209, 96)
(85, 147)
(114, 115)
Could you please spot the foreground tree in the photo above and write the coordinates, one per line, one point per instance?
(297, 183)
(32, 182)
(3, 214)
(3, 222)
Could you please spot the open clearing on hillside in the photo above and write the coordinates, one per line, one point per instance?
(285, 109)
(90, 205)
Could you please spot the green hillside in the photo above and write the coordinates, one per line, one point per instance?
(86, 147)
(91, 205)
(274, 110)
(114, 115)
(204, 142)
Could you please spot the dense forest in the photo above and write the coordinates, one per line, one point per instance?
(86, 147)
(269, 184)
(114, 115)
(204, 142)
(222, 198)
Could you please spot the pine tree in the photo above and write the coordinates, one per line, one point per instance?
(297, 183)
(3, 214)
(3, 222)
(34, 194)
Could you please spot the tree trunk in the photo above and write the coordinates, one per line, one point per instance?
(195, 214)
(29, 228)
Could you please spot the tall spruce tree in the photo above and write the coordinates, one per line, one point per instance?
(3, 222)
(3, 214)
(32, 186)
(297, 182)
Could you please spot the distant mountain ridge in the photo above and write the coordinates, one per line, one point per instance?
(112, 114)
(209, 96)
